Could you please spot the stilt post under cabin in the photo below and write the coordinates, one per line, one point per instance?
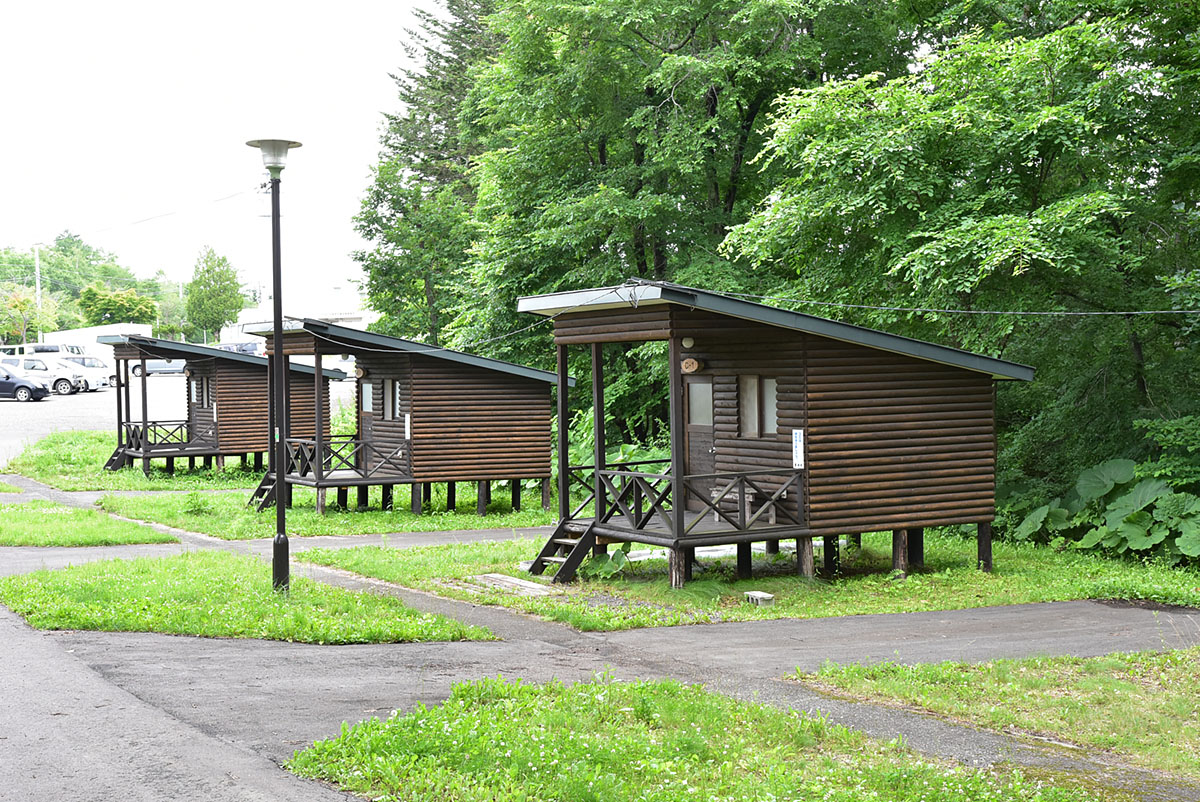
(364, 497)
(483, 495)
(599, 455)
(743, 560)
(545, 483)
(916, 547)
(830, 557)
(451, 493)
(900, 552)
(564, 420)
(678, 555)
(386, 497)
(343, 498)
(516, 495)
(416, 498)
(804, 557)
(123, 377)
(984, 540)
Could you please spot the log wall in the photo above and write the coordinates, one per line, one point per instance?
(242, 409)
(473, 423)
(387, 435)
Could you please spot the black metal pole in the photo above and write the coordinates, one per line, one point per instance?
(280, 570)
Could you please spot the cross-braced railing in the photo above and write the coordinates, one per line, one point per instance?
(344, 453)
(585, 477)
(165, 434)
(640, 500)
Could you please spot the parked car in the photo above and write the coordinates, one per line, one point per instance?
(253, 349)
(63, 378)
(159, 366)
(15, 386)
(96, 372)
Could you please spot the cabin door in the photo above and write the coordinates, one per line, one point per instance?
(700, 446)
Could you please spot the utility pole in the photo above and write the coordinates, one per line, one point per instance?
(37, 279)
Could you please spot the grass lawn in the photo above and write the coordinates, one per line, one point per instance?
(641, 595)
(227, 515)
(7, 488)
(652, 741)
(216, 595)
(75, 461)
(43, 523)
(1143, 706)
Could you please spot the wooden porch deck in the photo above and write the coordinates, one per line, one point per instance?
(703, 532)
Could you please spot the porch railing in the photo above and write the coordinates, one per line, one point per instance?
(168, 433)
(641, 499)
(344, 453)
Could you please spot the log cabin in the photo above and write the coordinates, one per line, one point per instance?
(782, 425)
(228, 395)
(425, 415)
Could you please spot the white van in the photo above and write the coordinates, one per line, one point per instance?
(63, 378)
(56, 350)
(96, 372)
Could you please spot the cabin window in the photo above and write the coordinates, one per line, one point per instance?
(758, 412)
(201, 391)
(392, 406)
(365, 389)
(197, 391)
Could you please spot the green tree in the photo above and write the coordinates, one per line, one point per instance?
(1055, 173)
(417, 210)
(101, 306)
(214, 296)
(20, 318)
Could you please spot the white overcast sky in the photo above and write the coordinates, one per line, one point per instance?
(125, 122)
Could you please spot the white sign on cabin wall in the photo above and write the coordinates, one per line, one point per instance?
(407, 426)
(798, 449)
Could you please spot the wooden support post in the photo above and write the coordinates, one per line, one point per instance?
(900, 552)
(191, 463)
(689, 560)
(483, 494)
(451, 500)
(829, 555)
(416, 498)
(984, 539)
(244, 460)
(208, 462)
(364, 497)
(220, 462)
(386, 501)
(427, 492)
(677, 566)
(120, 413)
(343, 498)
(320, 501)
(170, 466)
(258, 461)
(546, 493)
(598, 451)
(804, 557)
(854, 542)
(516, 494)
(564, 419)
(743, 561)
(916, 547)
(772, 547)
(677, 429)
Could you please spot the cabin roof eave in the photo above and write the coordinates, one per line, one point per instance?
(637, 293)
(170, 349)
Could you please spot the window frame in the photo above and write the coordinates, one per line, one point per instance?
(761, 418)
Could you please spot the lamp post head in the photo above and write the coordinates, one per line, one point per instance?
(274, 153)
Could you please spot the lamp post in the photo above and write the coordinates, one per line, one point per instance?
(274, 153)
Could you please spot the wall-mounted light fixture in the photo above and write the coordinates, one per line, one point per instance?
(360, 373)
(687, 342)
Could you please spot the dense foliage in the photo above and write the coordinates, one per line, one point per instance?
(988, 156)
(214, 296)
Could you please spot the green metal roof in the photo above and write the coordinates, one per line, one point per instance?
(350, 338)
(169, 349)
(640, 292)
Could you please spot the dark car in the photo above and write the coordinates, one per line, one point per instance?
(21, 388)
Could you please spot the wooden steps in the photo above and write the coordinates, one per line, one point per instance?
(571, 542)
